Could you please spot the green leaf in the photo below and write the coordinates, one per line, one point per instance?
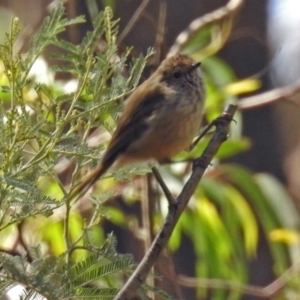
(284, 207)
(269, 219)
(205, 35)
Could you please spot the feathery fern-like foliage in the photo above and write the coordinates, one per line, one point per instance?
(40, 125)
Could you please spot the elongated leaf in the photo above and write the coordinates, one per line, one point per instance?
(266, 214)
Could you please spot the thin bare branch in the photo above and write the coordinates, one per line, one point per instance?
(283, 93)
(227, 11)
(161, 28)
(133, 20)
(262, 292)
(147, 223)
(163, 186)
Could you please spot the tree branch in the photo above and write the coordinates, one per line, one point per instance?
(176, 209)
(283, 93)
(133, 20)
(163, 186)
(263, 292)
(227, 11)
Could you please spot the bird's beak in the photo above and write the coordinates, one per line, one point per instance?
(194, 67)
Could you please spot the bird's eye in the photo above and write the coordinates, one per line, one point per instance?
(176, 74)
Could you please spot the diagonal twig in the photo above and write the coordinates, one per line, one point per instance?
(133, 20)
(163, 186)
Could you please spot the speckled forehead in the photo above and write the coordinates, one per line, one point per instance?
(176, 62)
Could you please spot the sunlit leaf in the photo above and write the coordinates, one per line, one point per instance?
(285, 236)
(247, 219)
(245, 181)
(243, 86)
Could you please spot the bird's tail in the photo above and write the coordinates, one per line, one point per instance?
(81, 189)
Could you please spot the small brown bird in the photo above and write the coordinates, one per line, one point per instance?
(160, 119)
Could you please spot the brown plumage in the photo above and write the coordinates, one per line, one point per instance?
(160, 119)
